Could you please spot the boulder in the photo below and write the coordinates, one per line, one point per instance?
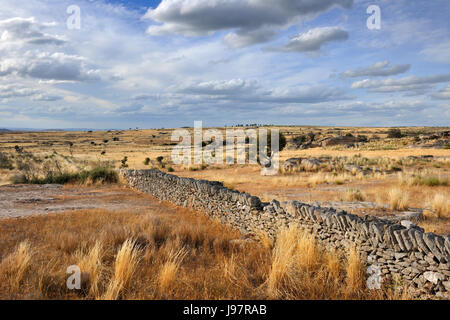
(310, 164)
(292, 164)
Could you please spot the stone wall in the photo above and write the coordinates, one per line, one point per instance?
(403, 252)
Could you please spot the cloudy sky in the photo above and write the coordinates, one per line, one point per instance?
(154, 64)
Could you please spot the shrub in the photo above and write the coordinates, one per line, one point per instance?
(147, 161)
(99, 175)
(430, 181)
(5, 162)
(124, 162)
(170, 169)
(96, 175)
(18, 149)
(394, 133)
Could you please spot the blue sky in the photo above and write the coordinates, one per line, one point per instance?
(168, 63)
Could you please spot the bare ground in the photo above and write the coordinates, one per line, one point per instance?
(25, 200)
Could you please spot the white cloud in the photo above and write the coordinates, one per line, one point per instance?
(439, 52)
(49, 66)
(443, 94)
(15, 91)
(20, 31)
(314, 39)
(402, 84)
(224, 87)
(246, 91)
(252, 21)
(379, 69)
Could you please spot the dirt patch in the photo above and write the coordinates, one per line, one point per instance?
(25, 200)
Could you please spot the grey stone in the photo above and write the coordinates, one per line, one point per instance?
(433, 277)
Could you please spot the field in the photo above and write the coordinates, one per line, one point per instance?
(129, 246)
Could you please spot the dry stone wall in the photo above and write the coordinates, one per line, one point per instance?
(402, 253)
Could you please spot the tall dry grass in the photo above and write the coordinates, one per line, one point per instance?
(170, 253)
(398, 199)
(355, 274)
(169, 269)
(91, 264)
(440, 204)
(15, 266)
(125, 266)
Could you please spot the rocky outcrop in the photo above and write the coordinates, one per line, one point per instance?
(342, 140)
(299, 164)
(399, 251)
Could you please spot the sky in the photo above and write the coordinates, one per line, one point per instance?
(166, 64)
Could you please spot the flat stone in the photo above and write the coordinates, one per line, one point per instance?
(433, 277)
(400, 255)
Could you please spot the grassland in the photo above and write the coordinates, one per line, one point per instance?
(169, 253)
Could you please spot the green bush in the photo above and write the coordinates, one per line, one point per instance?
(394, 133)
(96, 175)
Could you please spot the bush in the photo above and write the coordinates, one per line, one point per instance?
(124, 162)
(170, 169)
(394, 133)
(5, 162)
(99, 174)
(147, 161)
(96, 175)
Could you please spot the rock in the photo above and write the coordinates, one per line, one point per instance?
(399, 255)
(342, 140)
(310, 164)
(433, 277)
(254, 202)
(292, 164)
(428, 238)
(407, 224)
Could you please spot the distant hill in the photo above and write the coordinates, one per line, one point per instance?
(4, 130)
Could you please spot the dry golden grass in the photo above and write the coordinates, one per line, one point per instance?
(125, 266)
(169, 269)
(281, 275)
(440, 204)
(355, 271)
(354, 195)
(91, 264)
(168, 254)
(14, 267)
(398, 199)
